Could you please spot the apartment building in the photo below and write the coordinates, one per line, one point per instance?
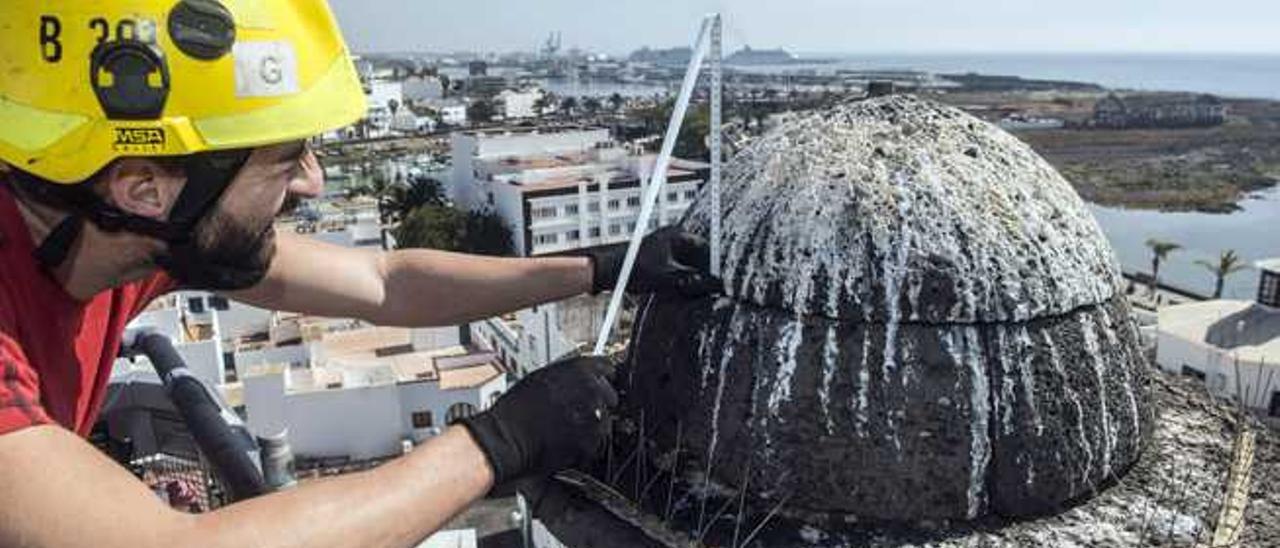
(565, 188)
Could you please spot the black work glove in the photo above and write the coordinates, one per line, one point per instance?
(558, 417)
(670, 261)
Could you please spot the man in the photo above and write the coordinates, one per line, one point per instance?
(150, 144)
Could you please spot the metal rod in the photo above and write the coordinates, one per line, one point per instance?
(675, 466)
(657, 180)
(766, 519)
(715, 516)
(717, 138)
(742, 501)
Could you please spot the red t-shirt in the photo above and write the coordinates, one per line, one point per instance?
(55, 352)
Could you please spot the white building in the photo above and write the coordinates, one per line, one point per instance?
(368, 390)
(381, 98)
(564, 189)
(519, 104)
(1213, 340)
(526, 340)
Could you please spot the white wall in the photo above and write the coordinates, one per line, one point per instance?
(363, 422)
(520, 104)
(296, 355)
(358, 422)
(241, 319)
(1219, 366)
(527, 143)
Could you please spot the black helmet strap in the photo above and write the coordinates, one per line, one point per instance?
(208, 176)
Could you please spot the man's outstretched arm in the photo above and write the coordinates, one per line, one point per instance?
(412, 288)
(60, 491)
(422, 288)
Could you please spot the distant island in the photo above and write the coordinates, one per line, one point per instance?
(747, 56)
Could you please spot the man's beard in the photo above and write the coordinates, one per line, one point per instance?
(223, 254)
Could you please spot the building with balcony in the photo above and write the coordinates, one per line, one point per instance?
(567, 188)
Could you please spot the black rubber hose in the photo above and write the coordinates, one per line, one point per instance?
(226, 444)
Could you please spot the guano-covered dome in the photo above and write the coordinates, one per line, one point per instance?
(923, 321)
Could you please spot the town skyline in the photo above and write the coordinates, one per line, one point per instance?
(817, 26)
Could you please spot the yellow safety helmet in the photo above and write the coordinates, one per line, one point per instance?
(83, 83)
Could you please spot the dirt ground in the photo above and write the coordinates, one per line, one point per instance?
(1201, 169)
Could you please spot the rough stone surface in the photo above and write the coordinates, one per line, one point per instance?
(923, 322)
(898, 209)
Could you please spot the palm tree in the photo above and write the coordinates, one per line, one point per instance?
(1228, 263)
(420, 191)
(1160, 251)
(568, 105)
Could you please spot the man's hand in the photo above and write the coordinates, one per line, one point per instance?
(556, 418)
(670, 261)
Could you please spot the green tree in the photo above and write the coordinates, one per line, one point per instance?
(487, 234)
(432, 227)
(1228, 263)
(617, 101)
(420, 191)
(482, 111)
(449, 229)
(692, 141)
(1160, 251)
(568, 105)
(591, 105)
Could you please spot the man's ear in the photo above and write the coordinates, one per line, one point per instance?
(141, 187)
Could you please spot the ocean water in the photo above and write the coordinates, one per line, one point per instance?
(1230, 75)
(1253, 232)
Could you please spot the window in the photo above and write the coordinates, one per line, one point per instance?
(490, 198)
(594, 232)
(493, 398)
(219, 303)
(1269, 289)
(544, 213)
(633, 201)
(195, 305)
(422, 419)
(1275, 404)
(547, 239)
(571, 209)
(614, 205)
(615, 230)
(673, 197)
(459, 411)
(631, 227)
(690, 194)
(593, 207)
(573, 235)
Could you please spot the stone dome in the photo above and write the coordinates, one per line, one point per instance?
(923, 321)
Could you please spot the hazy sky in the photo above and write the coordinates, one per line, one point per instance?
(833, 26)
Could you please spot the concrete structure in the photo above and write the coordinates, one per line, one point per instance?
(423, 89)
(1232, 346)
(563, 189)
(922, 321)
(367, 390)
